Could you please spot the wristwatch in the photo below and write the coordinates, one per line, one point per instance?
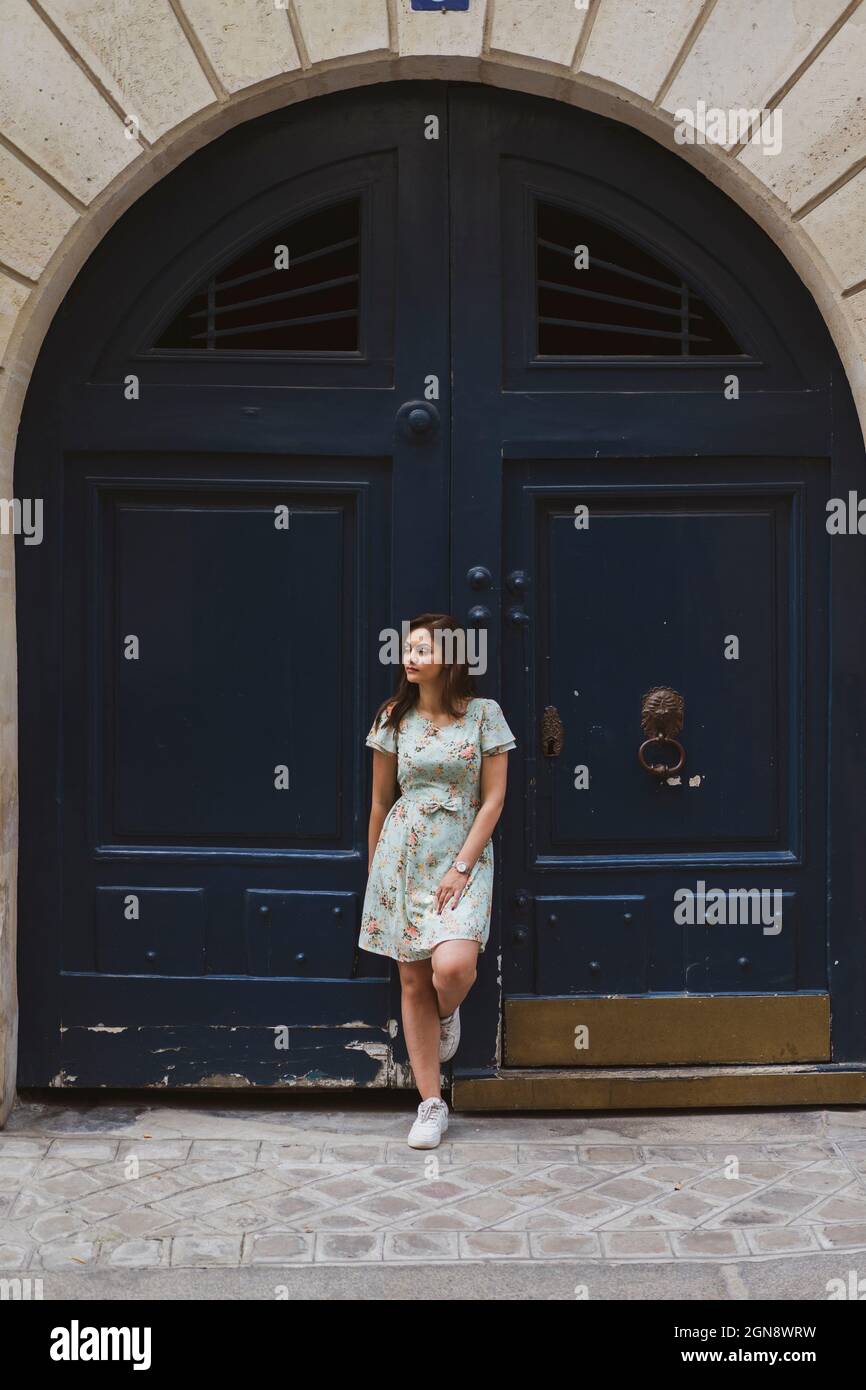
(461, 866)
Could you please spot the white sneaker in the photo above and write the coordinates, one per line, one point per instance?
(430, 1125)
(449, 1035)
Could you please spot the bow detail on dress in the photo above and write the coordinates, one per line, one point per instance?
(445, 803)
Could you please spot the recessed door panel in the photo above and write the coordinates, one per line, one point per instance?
(694, 593)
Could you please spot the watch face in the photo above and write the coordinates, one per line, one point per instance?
(461, 866)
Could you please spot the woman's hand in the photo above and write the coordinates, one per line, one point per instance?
(451, 886)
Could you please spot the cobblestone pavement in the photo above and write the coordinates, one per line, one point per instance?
(329, 1180)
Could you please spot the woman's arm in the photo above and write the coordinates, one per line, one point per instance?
(494, 774)
(384, 796)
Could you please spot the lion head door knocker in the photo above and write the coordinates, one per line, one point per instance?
(661, 717)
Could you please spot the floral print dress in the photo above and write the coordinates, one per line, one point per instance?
(439, 775)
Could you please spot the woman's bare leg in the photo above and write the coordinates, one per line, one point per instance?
(421, 1025)
(454, 973)
(430, 990)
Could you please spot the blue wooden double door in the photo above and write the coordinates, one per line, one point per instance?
(431, 346)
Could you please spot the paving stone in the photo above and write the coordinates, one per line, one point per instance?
(14, 1256)
(16, 1146)
(798, 1153)
(441, 1190)
(96, 1205)
(775, 1240)
(74, 1184)
(288, 1153)
(210, 1170)
(239, 1218)
(580, 1244)
(65, 1255)
(343, 1219)
(392, 1175)
(346, 1189)
(364, 1154)
(685, 1204)
(842, 1237)
(55, 1225)
(749, 1214)
(628, 1190)
(539, 1219)
(486, 1174)
(708, 1242)
(348, 1247)
(624, 1244)
(390, 1205)
(845, 1207)
(447, 1220)
(235, 1151)
(204, 1251)
(461, 1153)
(278, 1247)
(762, 1170)
(672, 1173)
(290, 1175)
(574, 1175)
(51, 1167)
(84, 1153)
(546, 1153)
(501, 1245)
(586, 1207)
(814, 1180)
(728, 1189)
(157, 1151)
(423, 1245)
(290, 1207)
(156, 1187)
(680, 1153)
(136, 1254)
(15, 1168)
(646, 1219)
(610, 1156)
(487, 1207)
(785, 1199)
(531, 1189)
(139, 1222)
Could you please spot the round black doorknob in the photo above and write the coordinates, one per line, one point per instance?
(478, 616)
(150, 955)
(417, 420)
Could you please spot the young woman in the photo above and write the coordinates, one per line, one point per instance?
(429, 891)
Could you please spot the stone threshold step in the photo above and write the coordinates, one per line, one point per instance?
(660, 1088)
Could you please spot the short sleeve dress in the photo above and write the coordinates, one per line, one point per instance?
(439, 775)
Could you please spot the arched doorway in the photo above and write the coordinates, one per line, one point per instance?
(433, 345)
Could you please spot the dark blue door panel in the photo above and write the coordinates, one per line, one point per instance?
(705, 469)
(691, 575)
(645, 596)
(233, 530)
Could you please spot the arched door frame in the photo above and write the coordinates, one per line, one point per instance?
(842, 440)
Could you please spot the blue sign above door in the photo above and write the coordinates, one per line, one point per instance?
(440, 4)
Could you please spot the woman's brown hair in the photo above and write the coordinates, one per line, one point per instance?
(459, 686)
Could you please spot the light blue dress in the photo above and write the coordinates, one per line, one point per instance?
(439, 775)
